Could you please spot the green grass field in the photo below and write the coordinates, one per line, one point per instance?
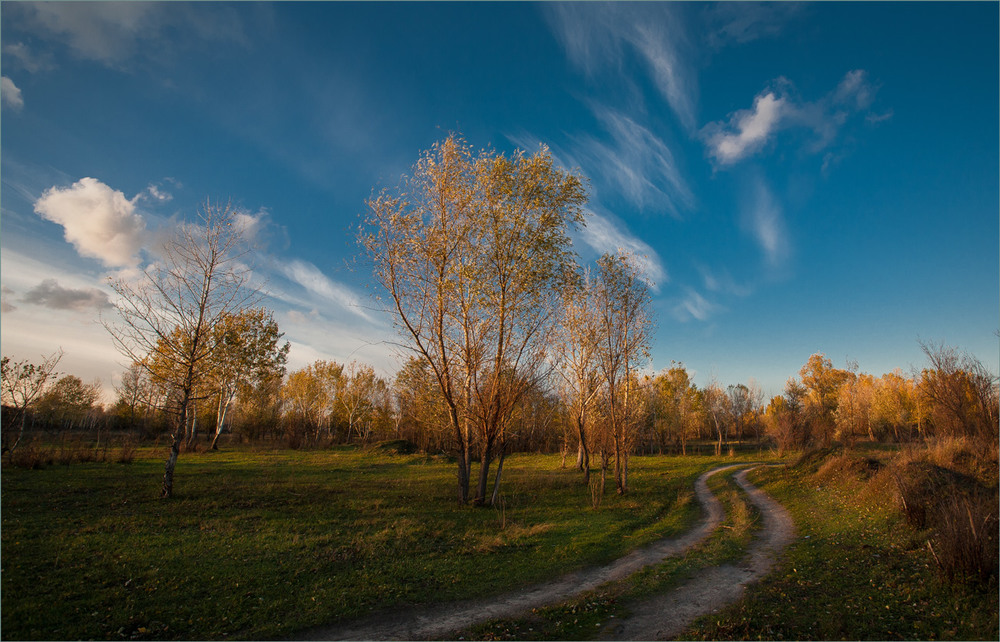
(265, 544)
(262, 544)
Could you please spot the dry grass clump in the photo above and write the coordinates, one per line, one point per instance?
(960, 512)
(35, 453)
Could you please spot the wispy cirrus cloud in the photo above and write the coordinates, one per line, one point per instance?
(766, 223)
(113, 33)
(24, 57)
(748, 131)
(600, 37)
(603, 234)
(319, 285)
(741, 22)
(692, 305)
(637, 162)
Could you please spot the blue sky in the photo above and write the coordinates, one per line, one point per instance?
(793, 178)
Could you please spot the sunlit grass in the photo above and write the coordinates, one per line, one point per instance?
(262, 544)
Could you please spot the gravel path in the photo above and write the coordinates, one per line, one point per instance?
(440, 622)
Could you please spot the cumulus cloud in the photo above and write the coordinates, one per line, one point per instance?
(748, 131)
(50, 294)
(11, 94)
(98, 220)
(603, 235)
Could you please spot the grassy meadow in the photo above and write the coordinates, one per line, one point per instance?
(264, 544)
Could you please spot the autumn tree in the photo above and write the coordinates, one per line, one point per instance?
(961, 394)
(717, 408)
(422, 413)
(68, 402)
(575, 355)
(21, 382)
(624, 331)
(363, 399)
(822, 383)
(310, 398)
(199, 279)
(471, 250)
(247, 350)
(674, 407)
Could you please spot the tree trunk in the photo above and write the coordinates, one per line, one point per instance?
(496, 480)
(167, 490)
(484, 474)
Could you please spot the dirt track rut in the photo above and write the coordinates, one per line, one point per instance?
(656, 618)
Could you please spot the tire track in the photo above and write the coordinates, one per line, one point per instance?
(440, 622)
(666, 616)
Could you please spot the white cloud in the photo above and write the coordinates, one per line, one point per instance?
(636, 162)
(314, 281)
(597, 36)
(695, 306)
(767, 224)
(103, 31)
(19, 53)
(98, 220)
(747, 131)
(603, 236)
(157, 194)
(11, 94)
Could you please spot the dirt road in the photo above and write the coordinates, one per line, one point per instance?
(440, 622)
(665, 616)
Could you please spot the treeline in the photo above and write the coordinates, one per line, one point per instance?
(327, 403)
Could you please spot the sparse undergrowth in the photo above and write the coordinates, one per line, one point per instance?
(263, 544)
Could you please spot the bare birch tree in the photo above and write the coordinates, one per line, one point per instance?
(170, 311)
(624, 334)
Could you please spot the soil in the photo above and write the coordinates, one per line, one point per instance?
(657, 618)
